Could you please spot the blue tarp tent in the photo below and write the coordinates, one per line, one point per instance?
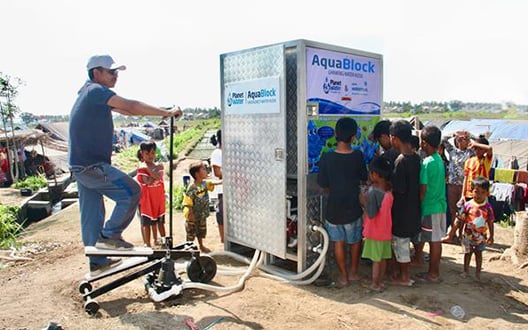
(510, 131)
(496, 129)
(150, 124)
(138, 137)
(475, 126)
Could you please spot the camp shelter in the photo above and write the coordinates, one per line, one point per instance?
(21, 137)
(57, 135)
(48, 139)
(475, 127)
(150, 124)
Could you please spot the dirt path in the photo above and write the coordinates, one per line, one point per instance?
(11, 196)
(45, 289)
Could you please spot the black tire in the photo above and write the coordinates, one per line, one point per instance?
(85, 285)
(201, 270)
(91, 307)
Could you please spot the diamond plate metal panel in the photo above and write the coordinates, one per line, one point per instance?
(314, 209)
(291, 111)
(253, 64)
(254, 180)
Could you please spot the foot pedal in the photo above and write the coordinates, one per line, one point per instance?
(126, 264)
(92, 251)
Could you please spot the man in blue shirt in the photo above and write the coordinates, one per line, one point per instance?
(90, 149)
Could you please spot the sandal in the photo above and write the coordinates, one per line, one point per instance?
(409, 283)
(425, 279)
(371, 289)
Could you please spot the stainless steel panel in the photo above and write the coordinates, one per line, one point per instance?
(254, 172)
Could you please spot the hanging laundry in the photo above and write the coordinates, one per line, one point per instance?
(502, 191)
(504, 175)
(522, 176)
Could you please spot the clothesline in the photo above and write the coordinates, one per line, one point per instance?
(505, 159)
(508, 176)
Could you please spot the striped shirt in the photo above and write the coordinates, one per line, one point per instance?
(473, 168)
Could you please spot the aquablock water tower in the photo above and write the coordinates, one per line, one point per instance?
(280, 104)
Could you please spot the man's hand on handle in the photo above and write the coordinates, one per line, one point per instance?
(175, 112)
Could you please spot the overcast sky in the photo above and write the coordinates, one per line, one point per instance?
(473, 51)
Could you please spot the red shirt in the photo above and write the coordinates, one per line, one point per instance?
(152, 201)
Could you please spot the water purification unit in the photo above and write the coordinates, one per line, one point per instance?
(280, 104)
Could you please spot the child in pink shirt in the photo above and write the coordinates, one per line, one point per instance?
(377, 225)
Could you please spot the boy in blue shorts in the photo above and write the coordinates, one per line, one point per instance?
(340, 174)
(433, 201)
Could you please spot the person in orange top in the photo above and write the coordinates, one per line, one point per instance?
(478, 165)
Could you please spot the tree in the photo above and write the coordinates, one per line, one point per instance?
(27, 117)
(8, 92)
(455, 105)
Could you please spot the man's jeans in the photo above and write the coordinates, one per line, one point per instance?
(94, 182)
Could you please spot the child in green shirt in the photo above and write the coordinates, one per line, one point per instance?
(433, 201)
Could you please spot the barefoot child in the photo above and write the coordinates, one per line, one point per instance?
(377, 223)
(196, 205)
(477, 215)
(433, 197)
(340, 175)
(406, 212)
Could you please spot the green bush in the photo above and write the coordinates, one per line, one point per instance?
(32, 182)
(178, 192)
(192, 135)
(127, 160)
(9, 227)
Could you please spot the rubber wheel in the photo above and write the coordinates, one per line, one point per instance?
(201, 270)
(91, 307)
(84, 286)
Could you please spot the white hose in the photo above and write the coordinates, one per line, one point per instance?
(227, 270)
(295, 278)
(257, 260)
(295, 282)
(236, 287)
(223, 270)
(233, 255)
(230, 272)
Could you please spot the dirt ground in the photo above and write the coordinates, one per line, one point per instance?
(11, 196)
(45, 289)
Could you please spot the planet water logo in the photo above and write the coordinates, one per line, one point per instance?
(345, 63)
(234, 98)
(263, 95)
(331, 86)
